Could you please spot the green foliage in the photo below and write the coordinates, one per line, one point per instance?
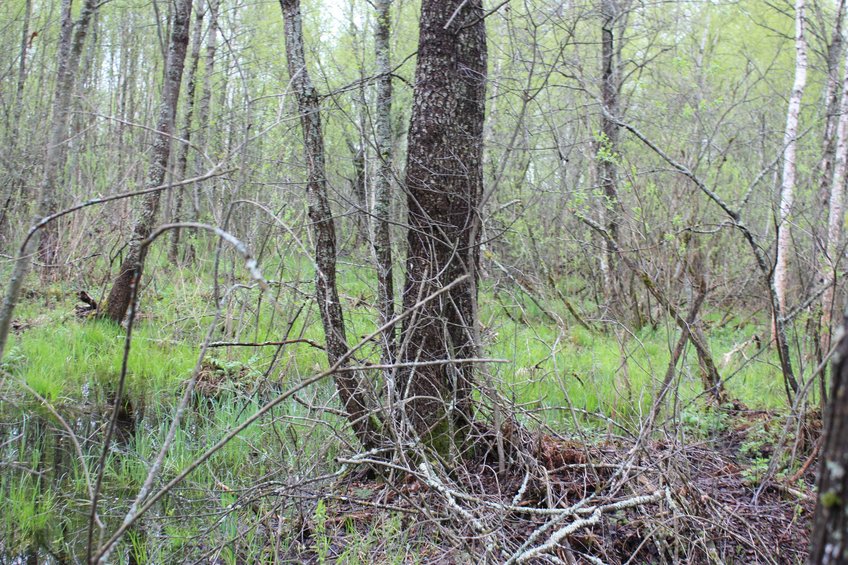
(321, 539)
(701, 423)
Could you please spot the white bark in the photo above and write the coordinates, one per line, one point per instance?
(836, 213)
(787, 189)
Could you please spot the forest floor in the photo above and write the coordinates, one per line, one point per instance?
(720, 483)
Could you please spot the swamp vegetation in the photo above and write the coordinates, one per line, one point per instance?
(423, 281)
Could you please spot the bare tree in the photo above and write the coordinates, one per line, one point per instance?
(787, 189)
(185, 136)
(22, 72)
(322, 224)
(836, 211)
(145, 215)
(444, 183)
(68, 62)
(381, 235)
(605, 157)
(13, 129)
(205, 103)
(71, 42)
(831, 98)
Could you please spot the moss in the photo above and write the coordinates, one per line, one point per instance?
(830, 499)
(441, 438)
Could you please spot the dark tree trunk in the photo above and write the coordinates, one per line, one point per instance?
(45, 241)
(205, 104)
(323, 227)
(22, 73)
(829, 540)
(358, 191)
(608, 146)
(9, 203)
(71, 42)
(444, 181)
(182, 152)
(119, 297)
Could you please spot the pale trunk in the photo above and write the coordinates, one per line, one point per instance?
(787, 189)
(831, 98)
(836, 217)
(9, 203)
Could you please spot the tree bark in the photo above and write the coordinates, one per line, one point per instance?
(205, 103)
(607, 149)
(22, 71)
(829, 539)
(71, 42)
(380, 216)
(787, 189)
(44, 241)
(323, 229)
(444, 182)
(836, 216)
(145, 216)
(182, 152)
(831, 98)
(9, 202)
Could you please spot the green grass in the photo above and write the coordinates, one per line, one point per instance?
(74, 365)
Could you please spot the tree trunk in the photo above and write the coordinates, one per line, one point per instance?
(380, 216)
(205, 103)
(9, 202)
(607, 149)
(182, 152)
(829, 539)
(119, 297)
(45, 240)
(836, 216)
(787, 189)
(22, 72)
(322, 226)
(358, 189)
(71, 42)
(831, 98)
(444, 182)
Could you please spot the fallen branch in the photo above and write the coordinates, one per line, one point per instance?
(559, 535)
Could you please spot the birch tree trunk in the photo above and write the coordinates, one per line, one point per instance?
(831, 98)
(444, 181)
(322, 226)
(380, 216)
(836, 216)
(145, 215)
(787, 189)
